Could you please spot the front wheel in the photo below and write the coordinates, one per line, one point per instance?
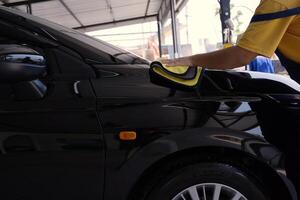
(213, 191)
(207, 181)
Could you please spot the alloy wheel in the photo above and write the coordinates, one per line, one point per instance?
(209, 191)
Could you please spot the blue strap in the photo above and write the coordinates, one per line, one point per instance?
(276, 15)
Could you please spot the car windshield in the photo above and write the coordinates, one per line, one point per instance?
(114, 51)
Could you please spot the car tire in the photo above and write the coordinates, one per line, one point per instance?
(219, 179)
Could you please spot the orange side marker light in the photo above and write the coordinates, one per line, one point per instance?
(127, 135)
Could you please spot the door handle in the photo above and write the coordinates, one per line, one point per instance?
(75, 86)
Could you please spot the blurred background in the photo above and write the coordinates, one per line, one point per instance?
(153, 29)
(199, 30)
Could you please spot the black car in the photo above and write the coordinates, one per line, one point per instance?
(81, 119)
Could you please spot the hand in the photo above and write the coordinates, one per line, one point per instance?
(168, 62)
(176, 62)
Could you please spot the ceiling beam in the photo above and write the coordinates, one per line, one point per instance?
(167, 7)
(29, 7)
(147, 7)
(21, 3)
(160, 7)
(71, 12)
(115, 22)
(110, 9)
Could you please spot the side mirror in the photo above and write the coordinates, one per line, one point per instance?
(21, 67)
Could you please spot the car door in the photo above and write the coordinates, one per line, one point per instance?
(51, 147)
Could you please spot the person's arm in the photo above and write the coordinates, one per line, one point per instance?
(222, 59)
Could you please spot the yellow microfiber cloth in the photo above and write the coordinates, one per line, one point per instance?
(181, 75)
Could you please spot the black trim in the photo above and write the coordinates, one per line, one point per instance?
(276, 15)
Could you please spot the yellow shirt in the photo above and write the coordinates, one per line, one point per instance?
(265, 37)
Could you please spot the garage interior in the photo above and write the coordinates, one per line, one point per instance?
(155, 24)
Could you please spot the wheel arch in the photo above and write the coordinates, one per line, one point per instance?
(239, 159)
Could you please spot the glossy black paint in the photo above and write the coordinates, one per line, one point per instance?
(170, 122)
(66, 145)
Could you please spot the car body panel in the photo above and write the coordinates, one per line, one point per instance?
(47, 146)
(168, 121)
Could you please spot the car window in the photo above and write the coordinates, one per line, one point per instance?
(114, 53)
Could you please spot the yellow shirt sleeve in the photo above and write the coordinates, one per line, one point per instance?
(264, 37)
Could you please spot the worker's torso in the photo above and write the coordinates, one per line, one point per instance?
(290, 43)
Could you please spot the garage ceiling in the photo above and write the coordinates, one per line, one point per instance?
(89, 14)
